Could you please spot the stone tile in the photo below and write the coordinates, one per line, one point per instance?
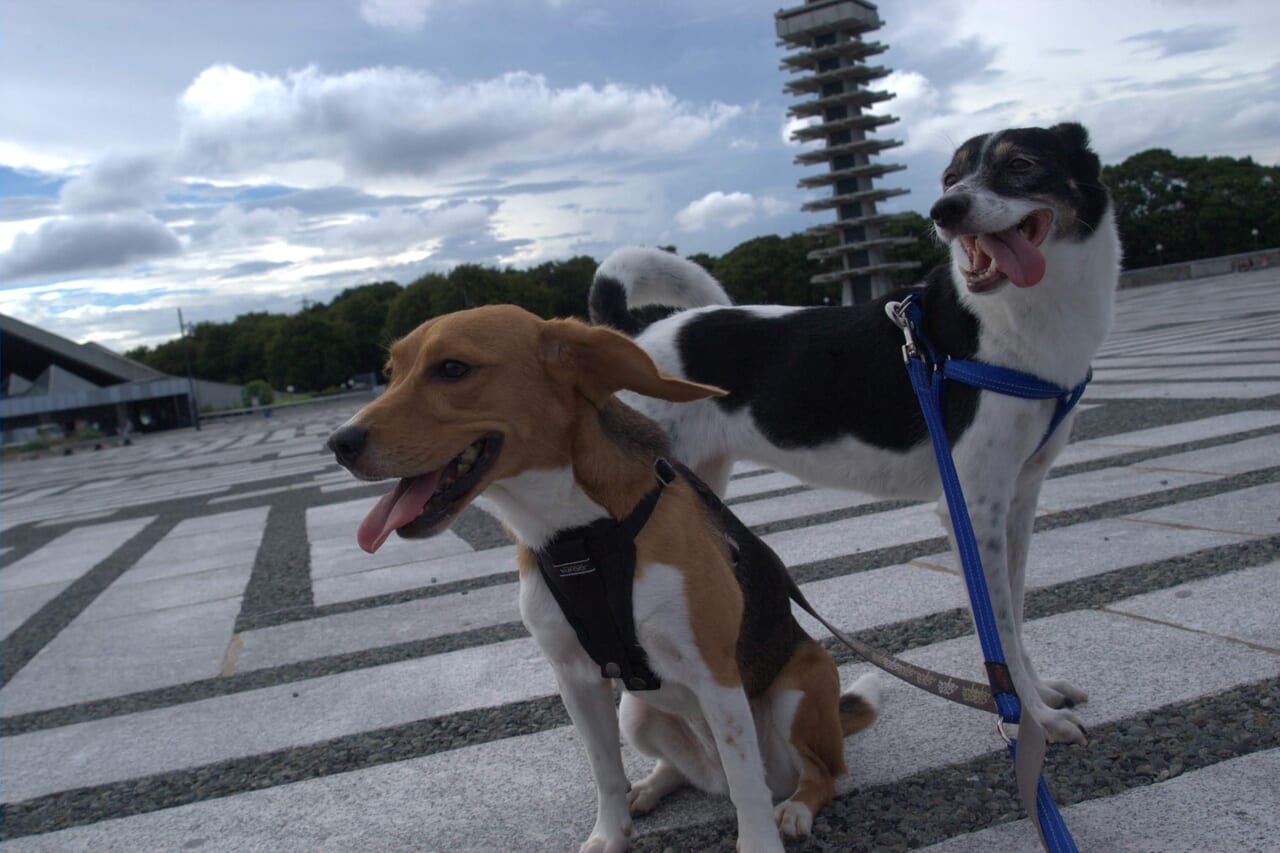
(1254, 511)
(381, 626)
(412, 575)
(248, 723)
(96, 659)
(1240, 605)
(1163, 436)
(799, 505)
(1182, 390)
(1107, 484)
(1239, 457)
(125, 599)
(1084, 550)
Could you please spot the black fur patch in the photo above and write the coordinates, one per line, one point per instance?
(817, 374)
(769, 634)
(607, 306)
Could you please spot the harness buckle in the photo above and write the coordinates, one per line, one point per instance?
(897, 312)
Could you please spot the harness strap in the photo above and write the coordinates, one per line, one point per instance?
(991, 377)
(590, 570)
(927, 379)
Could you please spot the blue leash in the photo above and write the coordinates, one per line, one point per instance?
(928, 374)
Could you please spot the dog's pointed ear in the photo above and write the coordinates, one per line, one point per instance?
(599, 361)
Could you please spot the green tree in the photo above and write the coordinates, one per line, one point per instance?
(311, 353)
(774, 269)
(411, 307)
(361, 314)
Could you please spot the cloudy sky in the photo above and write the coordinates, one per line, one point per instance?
(226, 156)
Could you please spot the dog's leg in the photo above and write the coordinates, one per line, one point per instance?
(804, 714)
(729, 716)
(1056, 693)
(589, 700)
(590, 706)
(682, 755)
(715, 473)
(989, 475)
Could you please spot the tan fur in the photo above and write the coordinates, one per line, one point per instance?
(546, 386)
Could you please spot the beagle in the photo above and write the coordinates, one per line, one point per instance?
(497, 401)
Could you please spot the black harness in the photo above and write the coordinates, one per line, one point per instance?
(589, 571)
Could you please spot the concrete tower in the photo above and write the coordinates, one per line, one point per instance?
(825, 40)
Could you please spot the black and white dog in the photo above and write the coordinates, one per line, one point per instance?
(822, 393)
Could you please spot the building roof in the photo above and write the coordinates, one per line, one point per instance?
(29, 352)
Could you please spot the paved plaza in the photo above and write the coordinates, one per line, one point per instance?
(197, 655)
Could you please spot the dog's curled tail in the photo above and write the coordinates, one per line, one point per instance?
(634, 276)
(860, 704)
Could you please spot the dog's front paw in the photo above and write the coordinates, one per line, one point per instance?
(643, 797)
(604, 844)
(1062, 725)
(794, 819)
(1057, 693)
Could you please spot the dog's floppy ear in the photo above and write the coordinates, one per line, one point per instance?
(599, 361)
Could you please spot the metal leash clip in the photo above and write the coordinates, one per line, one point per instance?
(897, 312)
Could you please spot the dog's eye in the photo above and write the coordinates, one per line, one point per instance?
(949, 178)
(451, 370)
(1020, 164)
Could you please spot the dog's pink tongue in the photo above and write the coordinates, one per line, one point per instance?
(395, 509)
(1018, 259)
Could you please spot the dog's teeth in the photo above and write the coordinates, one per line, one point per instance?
(469, 455)
(464, 467)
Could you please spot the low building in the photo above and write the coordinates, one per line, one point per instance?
(55, 388)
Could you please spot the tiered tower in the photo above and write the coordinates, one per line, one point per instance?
(825, 37)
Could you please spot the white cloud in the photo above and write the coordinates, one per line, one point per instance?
(396, 14)
(794, 123)
(402, 122)
(725, 210)
(115, 183)
(86, 243)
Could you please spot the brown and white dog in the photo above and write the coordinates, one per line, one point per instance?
(496, 401)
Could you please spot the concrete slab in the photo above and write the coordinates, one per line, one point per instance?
(1254, 511)
(1084, 550)
(128, 599)
(30, 583)
(1240, 605)
(247, 723)
(97, 659)
(1247, 390)
(1238, 457)
(1164, 436)
(1107, 484)
(1232, 803)
(383, 626)
(412, 575)
(799, 505)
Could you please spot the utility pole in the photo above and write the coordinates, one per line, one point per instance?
(193, 405)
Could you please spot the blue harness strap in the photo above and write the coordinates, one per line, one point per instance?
(928, 373)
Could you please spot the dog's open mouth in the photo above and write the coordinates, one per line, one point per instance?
(424, 505)
(1013, 254)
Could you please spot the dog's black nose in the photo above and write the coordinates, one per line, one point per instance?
(950, 210)
(347, 442)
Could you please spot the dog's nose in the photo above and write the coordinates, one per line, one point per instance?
(950, 210)
(347, 442)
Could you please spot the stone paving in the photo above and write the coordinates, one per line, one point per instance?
(196, 654)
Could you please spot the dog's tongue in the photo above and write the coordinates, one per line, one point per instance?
(1020, 261)
(395, 509)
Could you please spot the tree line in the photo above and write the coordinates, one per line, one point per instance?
(1168, 209)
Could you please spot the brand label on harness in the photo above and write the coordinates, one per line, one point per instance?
(577, 567)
